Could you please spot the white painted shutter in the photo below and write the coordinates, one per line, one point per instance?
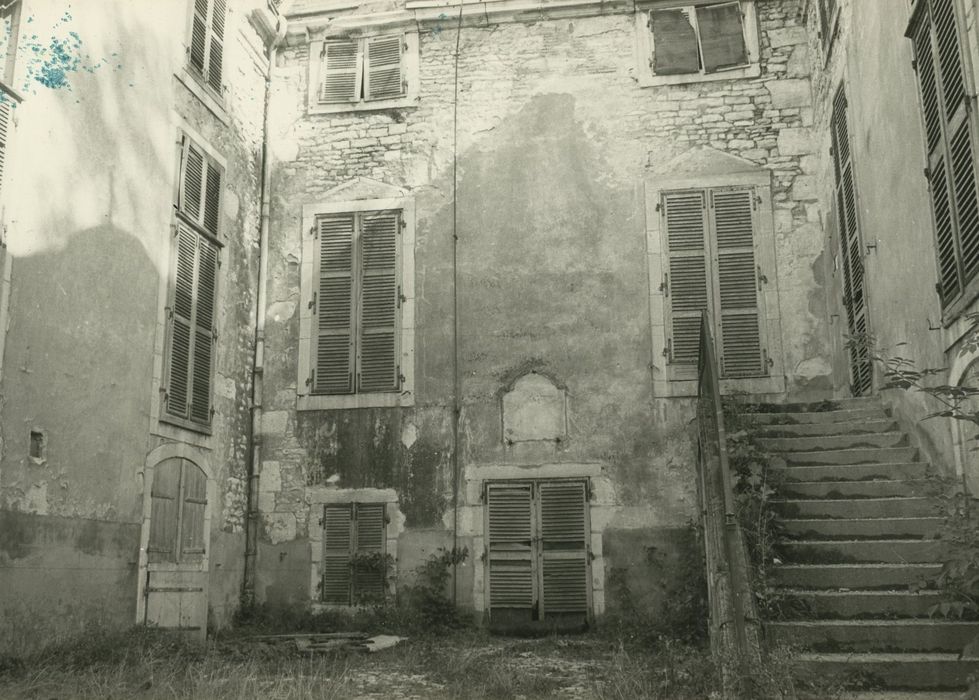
(333, 318)
(341, 71)
(383, 68)
(738, 319)
(564, 547)
(510, 549)
(379, 302)
(337, 534)
(370, 584)
(686, 284)
(6, 114)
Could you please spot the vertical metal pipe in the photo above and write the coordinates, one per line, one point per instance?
(258, 365)
(456, 379)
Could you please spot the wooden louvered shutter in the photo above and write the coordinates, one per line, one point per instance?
(564, 535)
(951, 152)
(193, 490)
(370, 583)
(333, 358)
(337, 538)
(382, 66)
(379, 302)
(204, 331)
(341, 71)
(164, 512)
(738, 320)
(198, 36)
(721, 32)
(181, 315)
(851, 247)
(510, 526)
(686, 284)
(192, 181)
(215, 58)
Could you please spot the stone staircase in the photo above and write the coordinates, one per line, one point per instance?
(859, 518)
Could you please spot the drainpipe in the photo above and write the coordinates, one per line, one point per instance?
(258, 364)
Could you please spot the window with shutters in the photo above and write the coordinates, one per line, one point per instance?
(694, 42)
(178, 500)
(205, 51)
(711, 245)
(711, 266)
(191, 308)
(363, 73)
(354, 566)
(538, 552)
(945, 86)
(356, 318)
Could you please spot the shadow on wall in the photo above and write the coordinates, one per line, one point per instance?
(108, 151)
(78, 364)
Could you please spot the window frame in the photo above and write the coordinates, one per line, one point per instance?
(645, 43)
(677, 380)
(305, 399)
(828, 23)
(409, 58)
(214, 239)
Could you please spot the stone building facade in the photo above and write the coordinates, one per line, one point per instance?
(528, 153)
(133, 175)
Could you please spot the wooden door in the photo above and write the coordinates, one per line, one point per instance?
(175, 589)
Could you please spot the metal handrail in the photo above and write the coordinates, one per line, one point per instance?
(733, 625)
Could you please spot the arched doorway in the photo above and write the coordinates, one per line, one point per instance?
(176, 537)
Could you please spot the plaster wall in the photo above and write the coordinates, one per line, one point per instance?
(553, 138)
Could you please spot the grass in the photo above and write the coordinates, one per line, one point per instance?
(145, 663)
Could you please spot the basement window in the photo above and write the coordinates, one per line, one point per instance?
(363, 73)
(695, 43)
(355, 562)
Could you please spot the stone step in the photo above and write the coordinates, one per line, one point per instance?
(831, 442)
(860, 455)
(854, 576)
(844, 416)
(841, 404)
(888, 670)
(880, 425)
(855, 551)
(854, 472)
(893, 507)
(860, 604)
(857, 490)
(873, 635)
(862, 528)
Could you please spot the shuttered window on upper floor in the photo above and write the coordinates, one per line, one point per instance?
(178, 499)
(709, 243)
(191, 309)
(206, 50)
(356, 303)
(698, 39)
(354, 568)
(362, 69)
(936, 33)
